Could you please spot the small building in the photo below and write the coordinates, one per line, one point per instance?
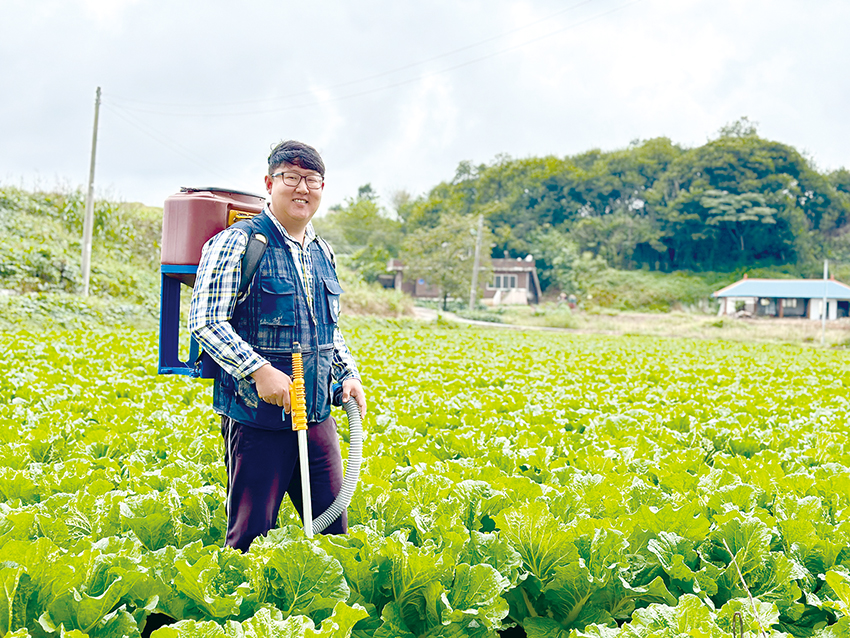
(512, 281)
(802, 298)
(417, 288)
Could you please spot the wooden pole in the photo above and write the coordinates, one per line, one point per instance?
(823, 308)
(473, 290)
(88, 220)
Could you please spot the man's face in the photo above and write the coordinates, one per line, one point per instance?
(293, 205)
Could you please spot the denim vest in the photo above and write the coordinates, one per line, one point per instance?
(274, 315)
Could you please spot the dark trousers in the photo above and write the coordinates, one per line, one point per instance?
(262, 466)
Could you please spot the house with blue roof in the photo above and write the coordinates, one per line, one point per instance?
(803, 298)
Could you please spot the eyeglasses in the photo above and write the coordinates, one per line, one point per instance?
(293, 179)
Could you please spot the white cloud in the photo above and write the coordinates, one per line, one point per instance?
(614, 71)
(331, 119)
(107, 13)
(430, 115)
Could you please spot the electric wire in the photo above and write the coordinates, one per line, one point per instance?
(388, 87)
(366, 78)
(124, 112)
(162, 139)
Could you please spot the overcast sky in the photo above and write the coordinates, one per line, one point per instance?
(397, 93)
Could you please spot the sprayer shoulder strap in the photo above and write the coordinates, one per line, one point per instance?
(205, 366)
(257, 244)
(326, 248)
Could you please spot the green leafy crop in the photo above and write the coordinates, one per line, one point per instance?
(575, 486)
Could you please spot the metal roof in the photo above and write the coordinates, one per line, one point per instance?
(514, 265)
(786, 289)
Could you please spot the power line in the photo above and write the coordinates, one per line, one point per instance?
(164, 140)
(389, 86)
(123, 112)
(366, 78)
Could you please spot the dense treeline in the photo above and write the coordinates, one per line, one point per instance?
(738, 201)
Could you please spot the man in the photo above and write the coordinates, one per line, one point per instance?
(293, 298)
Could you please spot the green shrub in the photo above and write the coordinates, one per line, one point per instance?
(362, 298)
(72, 311)
(555, 316)
(496, 315)
(644, 290)
(41, 255)
(41, 244)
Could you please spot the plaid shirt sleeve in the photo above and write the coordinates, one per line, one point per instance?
(213, 301)
(344, 366)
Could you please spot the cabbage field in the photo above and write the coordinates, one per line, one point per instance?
(539, 484)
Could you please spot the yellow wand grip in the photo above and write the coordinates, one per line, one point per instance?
(297, 399)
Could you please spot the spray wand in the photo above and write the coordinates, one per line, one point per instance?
(298, 409)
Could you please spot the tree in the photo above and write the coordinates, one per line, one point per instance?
(739, 215)
(654, 204)
(444, 255)
(359, 223)
(363, 231)
(621, 239)
(555, 255)
(742, 127)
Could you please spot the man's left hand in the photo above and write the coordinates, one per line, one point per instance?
(353, 389)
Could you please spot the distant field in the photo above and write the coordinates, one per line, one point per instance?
(574, 485)
(673, 324)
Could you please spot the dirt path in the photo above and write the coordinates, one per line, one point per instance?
(678, 325)
(429, 314)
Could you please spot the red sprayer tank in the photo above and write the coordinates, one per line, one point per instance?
(192, 216)
(189, 219)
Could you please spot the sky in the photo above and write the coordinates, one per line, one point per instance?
(396, 94)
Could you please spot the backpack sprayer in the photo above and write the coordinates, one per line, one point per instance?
(190, 218)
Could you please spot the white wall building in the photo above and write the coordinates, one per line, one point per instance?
(801, 298)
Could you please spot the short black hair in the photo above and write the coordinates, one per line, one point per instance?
(297, 154)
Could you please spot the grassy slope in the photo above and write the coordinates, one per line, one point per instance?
(40, 255)
(40, 274)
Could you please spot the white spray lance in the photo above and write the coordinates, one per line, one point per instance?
(298, 409)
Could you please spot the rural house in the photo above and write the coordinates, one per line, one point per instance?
(512, 282)
(801, 298)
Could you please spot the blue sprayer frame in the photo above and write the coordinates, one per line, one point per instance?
(169, 324)
(169, 330)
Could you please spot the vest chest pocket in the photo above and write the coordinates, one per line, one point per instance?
(277, 302)
(332, 291)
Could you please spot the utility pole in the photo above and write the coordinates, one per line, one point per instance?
(88, 220)
(473, 291)
(824, 307)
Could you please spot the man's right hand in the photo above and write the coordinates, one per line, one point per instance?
(272, 386)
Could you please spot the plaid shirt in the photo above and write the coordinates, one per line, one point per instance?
(214, 298)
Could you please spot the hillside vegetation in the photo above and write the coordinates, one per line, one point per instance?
(652, 227)
(738, 201)
(607, 225)
(40, 257)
